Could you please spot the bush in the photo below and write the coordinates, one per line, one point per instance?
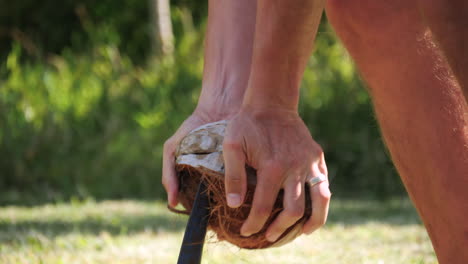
(93, 122)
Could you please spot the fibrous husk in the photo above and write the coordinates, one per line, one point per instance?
(200, 156)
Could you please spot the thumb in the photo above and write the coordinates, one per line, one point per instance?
(169, 177)
(235, 175)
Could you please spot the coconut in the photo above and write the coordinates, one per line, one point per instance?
(200, 156)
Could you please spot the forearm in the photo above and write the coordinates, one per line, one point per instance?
(228, 55)
(284, 36)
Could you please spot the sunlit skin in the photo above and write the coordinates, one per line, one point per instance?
(417, 92)
(448, 21)
(228, 56)
(268, 133)
(287, 154)
(421, 110)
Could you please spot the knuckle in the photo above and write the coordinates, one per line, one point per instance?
(168, 146)
(323, 167)
(319, 150)
(273, 164)
(231, 145)
(283, 164)
(262, 211)
(233, 179)
(295, 213)
(291, 164)
(325, 195)
(274, 169)
(295, 163)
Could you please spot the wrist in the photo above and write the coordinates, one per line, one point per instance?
(221, 99)
(211, 112)
(269, 112)
(274, 84)
(272, 97)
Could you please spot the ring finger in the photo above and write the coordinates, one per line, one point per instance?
(320, 196)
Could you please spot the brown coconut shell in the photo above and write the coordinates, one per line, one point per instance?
(200, 156)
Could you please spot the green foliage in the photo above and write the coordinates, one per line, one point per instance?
(92, 124)
(49, 26)
(92, 121)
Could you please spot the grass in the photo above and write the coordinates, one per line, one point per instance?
(358, 231)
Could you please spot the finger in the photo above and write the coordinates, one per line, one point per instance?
(320, 195)
(235, 176)
(322, 166)
(266, 191)
(169, 177)
(294, 204)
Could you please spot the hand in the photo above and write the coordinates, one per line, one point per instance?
(199, 117)
(279, 146)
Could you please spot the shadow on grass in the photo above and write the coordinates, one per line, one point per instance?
(21, 227)
(360, 211)
(120, 221)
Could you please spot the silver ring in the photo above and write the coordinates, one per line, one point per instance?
(316, 180)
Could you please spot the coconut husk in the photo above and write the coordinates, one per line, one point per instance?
(200, 156)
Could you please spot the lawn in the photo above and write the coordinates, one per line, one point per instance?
(358, 231)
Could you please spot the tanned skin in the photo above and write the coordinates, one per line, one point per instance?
(448, 21)
(421, 110)
(416, 81)
(228, 56)
(268, 133)
(265, 130)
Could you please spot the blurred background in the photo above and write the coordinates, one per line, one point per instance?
(90, 90)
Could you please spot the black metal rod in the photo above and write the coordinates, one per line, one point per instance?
(194, 237)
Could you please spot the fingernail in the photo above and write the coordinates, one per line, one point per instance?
(272, 237)
(233, 200)
(243, 233)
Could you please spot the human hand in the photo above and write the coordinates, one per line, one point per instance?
(201, 116)
(278, 145)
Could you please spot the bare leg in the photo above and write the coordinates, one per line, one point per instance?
(421, 110)
(448, 21)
